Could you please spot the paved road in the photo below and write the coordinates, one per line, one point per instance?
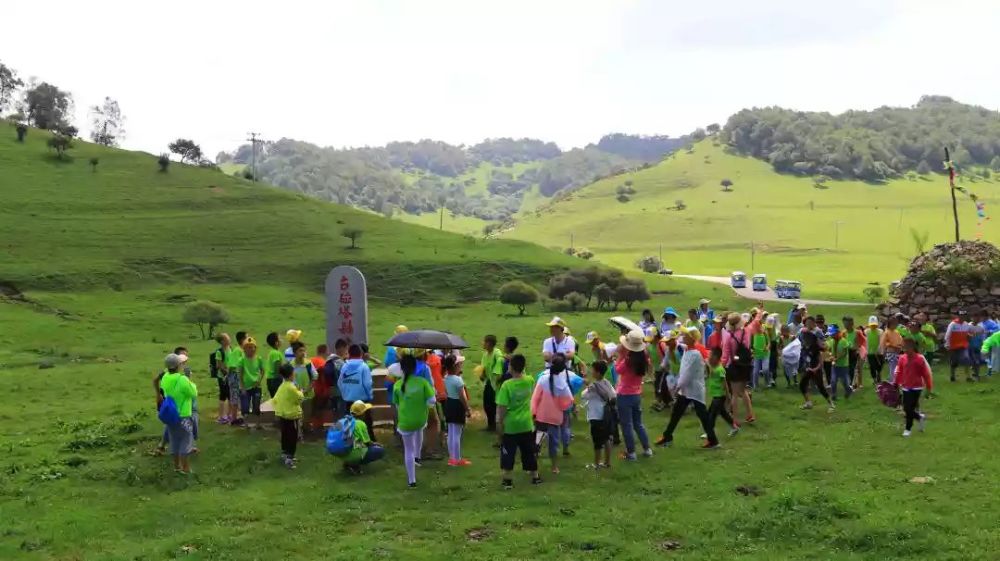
(767, 295)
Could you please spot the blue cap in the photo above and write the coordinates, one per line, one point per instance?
(670, 311)
(832, 330)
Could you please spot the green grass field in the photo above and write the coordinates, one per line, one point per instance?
(793, 225)
(107, 260)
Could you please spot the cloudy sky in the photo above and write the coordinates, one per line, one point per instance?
(364, 72)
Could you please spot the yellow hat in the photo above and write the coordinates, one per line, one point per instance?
(293, 335)
(401, 329)
(250, 342)
(360, 407)
(557, 322)
(593, 336)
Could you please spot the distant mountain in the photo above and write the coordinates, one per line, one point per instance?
(870, 145)
(487, 180)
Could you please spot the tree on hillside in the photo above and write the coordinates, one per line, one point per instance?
(352, 233)
(727, 185)
(604, 294)
(713, 128)
(48, 107)
(575, 301)
(107, 123)
(518, 294)
(164, 162)
(995, 163)
(923, 168)
(205, 313)
(61, 144)
(9, 84)
(186, 149)
(630, 292)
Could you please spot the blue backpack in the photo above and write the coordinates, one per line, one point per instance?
(340, 437)
(168, 413)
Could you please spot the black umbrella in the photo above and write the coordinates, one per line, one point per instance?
(427, 339)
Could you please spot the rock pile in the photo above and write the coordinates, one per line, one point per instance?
(948, 278)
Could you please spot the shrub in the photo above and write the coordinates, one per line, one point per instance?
(61, 144)
(205, 313)
(164, 162)
(575, 301)
(585, 254)
(874, 294)
(519, 294)
(649, 264)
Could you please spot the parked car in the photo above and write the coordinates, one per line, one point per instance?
(666, 271)
(738, 279)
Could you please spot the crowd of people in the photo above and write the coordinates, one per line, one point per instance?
(710, 362)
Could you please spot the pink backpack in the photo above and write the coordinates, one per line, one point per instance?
(888, 394)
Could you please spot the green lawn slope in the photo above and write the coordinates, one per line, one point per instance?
(792, 224)
(127, 225)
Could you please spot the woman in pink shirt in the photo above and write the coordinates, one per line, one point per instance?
(552, 397)
(632, 364)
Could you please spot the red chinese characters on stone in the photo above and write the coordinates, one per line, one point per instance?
(345, 313)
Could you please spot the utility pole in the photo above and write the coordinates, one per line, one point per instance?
(753, 256)
(661, 254)
(951, 183)
(254, 141)
(836, 236)
(571, 246)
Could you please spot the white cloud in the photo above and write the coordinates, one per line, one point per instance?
(366, 72)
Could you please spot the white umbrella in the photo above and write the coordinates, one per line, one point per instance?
(624, 324)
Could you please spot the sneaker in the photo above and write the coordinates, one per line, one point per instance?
(663, 442)
(412, 485)
(463, 462)
(751, 419)
(352, 469)
(418, 462)
(603, 466)
(922, 422)
(223, 420)
(906, 433)
(734, 431)
(703, 436)
(647, 453)
(566, 452)
(507, 484)
(592, 466)
(831, 408)
(536, 480)
(952, 377)
(807, 405)
(237, 422)
(452, 463)
(555, 470)
(709, 446)
(630, 457)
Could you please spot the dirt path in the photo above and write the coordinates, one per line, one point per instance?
(766, 295)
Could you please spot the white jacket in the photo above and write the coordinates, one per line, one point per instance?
(691, 381)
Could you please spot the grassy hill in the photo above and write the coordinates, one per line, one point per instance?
(106, 261)
(792, 224)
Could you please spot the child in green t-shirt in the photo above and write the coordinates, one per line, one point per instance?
(841, 362)
(515, 422)
(251, 372)
(717, 391)
(760, 346)
(365, 450)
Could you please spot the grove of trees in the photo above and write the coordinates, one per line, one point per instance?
(606, 289)
(868, 145)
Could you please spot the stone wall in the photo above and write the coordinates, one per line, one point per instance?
(948, 278)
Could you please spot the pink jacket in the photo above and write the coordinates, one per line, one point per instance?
(547, 407)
